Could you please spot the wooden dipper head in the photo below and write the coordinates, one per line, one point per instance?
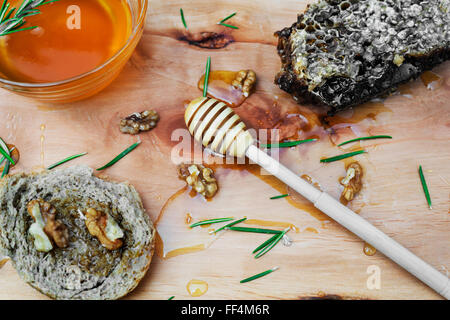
(217, 127)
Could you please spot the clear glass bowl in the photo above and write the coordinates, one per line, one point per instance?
(92, 82)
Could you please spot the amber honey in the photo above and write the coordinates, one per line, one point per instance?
(71, 38)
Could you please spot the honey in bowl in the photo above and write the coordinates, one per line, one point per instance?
(72, 38)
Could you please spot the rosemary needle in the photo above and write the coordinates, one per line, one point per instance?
(259, 275)
(272, 244)
(227, 18)
(120, 156)
(228, 25)
(182, 18)
(204, 222)
(254, 230)
(5, 169)
(11, 22)
(343, 156)
(229, 225)
(6, 155)
(265, 244)
(425, 187)
(287, 144)
(279, 197)
(364, 138)
(66, 160)
(205, 85)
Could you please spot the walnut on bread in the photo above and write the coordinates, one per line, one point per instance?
(46, 229)
(105, 228)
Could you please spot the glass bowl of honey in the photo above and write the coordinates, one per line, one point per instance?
(77, 48)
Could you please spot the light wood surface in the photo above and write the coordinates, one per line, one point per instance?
(324, 259)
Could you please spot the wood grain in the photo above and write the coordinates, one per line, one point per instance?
(162, 74)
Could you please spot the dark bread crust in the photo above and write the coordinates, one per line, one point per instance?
(84, 270)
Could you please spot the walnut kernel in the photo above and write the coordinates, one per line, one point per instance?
(200, 178)
(44, 216)
(138, 122)
(353, 181)
(104, 228)
(245, 80)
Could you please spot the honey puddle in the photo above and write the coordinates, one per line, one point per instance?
(431, 80)
(220, 87)
(174, 236)
(197, 288)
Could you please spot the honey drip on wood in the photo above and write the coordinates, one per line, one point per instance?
(42, 139)
(220, 87)
(197, 288)
(355, 115)
(3, 262)
(431, 80)
(369, 250)
(171, 220)
(294, 198)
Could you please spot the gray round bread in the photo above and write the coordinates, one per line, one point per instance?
(85, 269)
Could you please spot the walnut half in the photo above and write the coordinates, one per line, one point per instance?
(353, 181)
(103, 226)
(245, 80)
(139, 121)
(200, 178)
(44, 216)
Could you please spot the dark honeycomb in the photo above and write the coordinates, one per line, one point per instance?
(343, 53)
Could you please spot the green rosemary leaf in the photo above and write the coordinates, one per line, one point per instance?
(14, 31)
(9, 15)
(3, 159)
(254, 230)
(205, 85)
(171, 298)
(120, 156)
(343, 156)
(66, 160)
(364, 138)
(259, 275)
(279, 197)
(272, 244)
(287, 144)
(212, 221)
(3, 10)
(228, 18)
(5, 169)
(266, 243)
(11, 23)
(229, 225)
(425, 187)
(6, 155)
(183, 19)
(228, 25)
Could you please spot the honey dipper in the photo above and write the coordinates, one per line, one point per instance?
(217, 127)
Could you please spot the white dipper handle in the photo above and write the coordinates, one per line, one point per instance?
(354, 223)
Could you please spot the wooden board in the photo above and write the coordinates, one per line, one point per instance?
(324, 259)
